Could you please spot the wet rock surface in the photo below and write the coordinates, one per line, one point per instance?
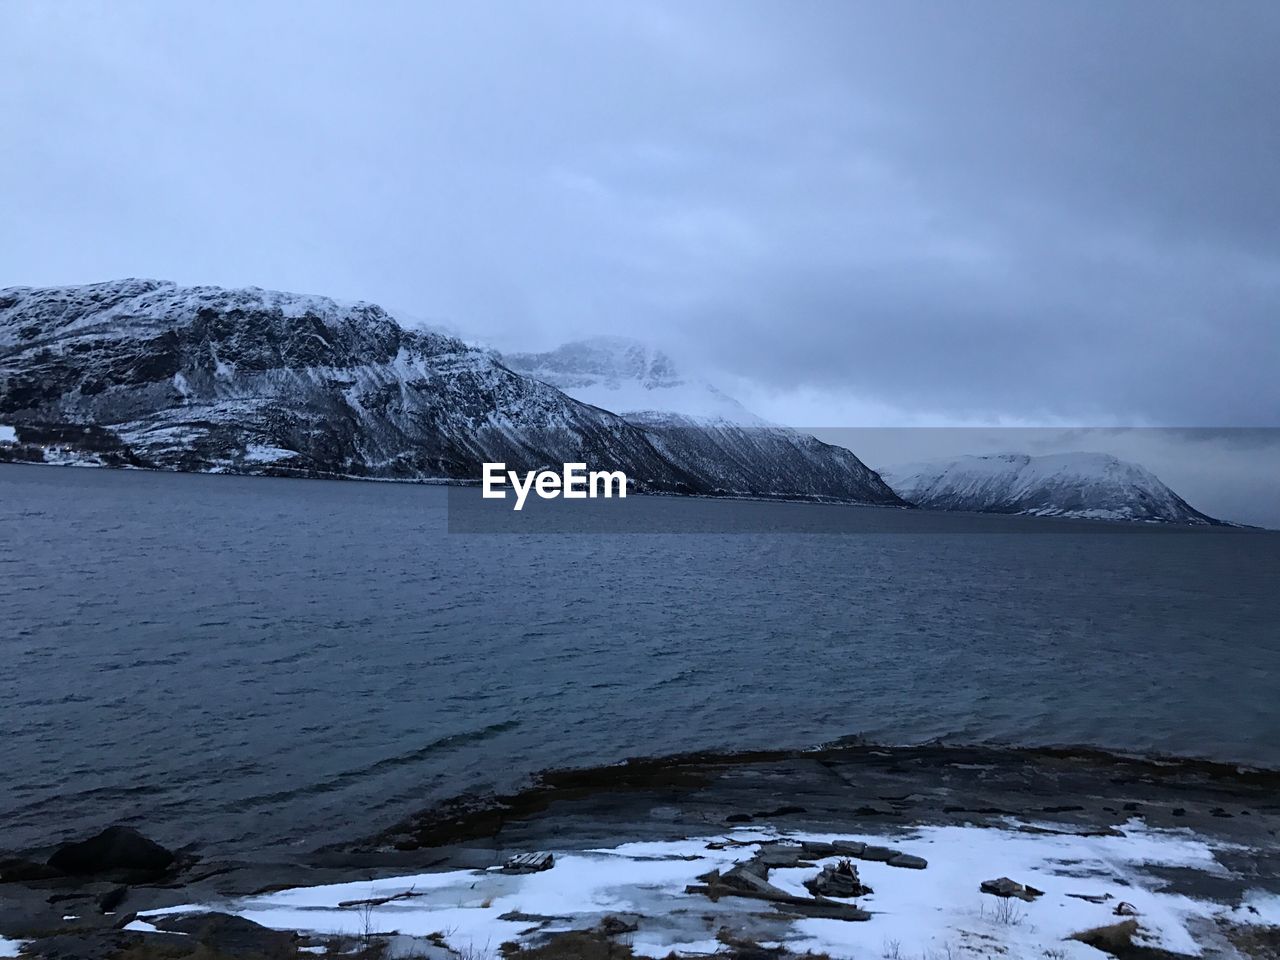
(1050, 792)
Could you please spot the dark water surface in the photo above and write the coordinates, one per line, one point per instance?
(267, 665)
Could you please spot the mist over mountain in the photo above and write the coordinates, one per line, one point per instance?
(707, 433)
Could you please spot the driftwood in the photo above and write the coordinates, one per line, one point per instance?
(740, 882)
(378, 901)
(529, 863)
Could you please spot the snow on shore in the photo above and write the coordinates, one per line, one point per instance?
(937, 911)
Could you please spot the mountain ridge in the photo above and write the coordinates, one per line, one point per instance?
(149, 373)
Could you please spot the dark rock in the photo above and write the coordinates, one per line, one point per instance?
(877, 854)
(908, 860)
(108, 902)
(230, 935)
(1004, 887)
(1125, 909)
(94, 945)
(817, 850)
(115, 848)
(26, 871)
(739, 818)
(849, 848)
(778, 855)
(613, 926)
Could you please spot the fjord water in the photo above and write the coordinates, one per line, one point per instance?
(261, 665)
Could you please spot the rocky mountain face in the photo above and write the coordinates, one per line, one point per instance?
(1085, 485)
(147, 373)
(696, 426)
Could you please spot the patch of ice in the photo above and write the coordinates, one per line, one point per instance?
(8, 434)
(10, 948)
(920, 912)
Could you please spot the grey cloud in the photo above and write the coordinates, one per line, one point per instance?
(1009, 209)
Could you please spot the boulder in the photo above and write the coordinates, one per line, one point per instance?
(114, 849)
(908, 860)
(817, 850)
(849, 848)
(882, 854)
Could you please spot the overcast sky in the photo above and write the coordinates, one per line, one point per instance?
(852, 213)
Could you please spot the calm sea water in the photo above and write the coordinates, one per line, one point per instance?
(265, 665)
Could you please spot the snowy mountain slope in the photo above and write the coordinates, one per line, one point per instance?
(152, 374)
(702, 430)
(1086, 485)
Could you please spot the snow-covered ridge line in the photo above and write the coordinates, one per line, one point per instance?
(146, 373)
(1093, 486)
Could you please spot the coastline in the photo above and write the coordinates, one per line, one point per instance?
(914, 798)
(464, 484)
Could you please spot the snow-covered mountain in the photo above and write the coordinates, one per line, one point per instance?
(706, 433)
(147, 373)
(1085, 485)
(252, 381)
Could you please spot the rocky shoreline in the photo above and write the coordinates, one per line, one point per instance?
(751, 851)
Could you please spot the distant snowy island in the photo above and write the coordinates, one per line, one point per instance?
(1092, 486)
